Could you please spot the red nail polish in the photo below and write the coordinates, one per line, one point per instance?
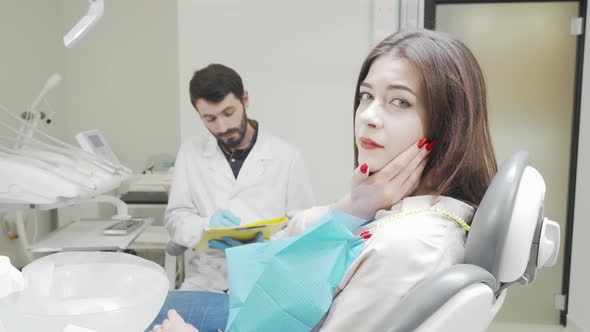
(367, 236)
(364, 168)
(365, 233)
(422, 143)
(430, 145)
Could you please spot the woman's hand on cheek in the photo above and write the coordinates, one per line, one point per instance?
(399, 178)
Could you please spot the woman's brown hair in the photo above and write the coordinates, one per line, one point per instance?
(463, 163)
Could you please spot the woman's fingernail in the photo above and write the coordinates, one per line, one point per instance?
(364, 168)
(365, 232)
(430, 145)
(367, 236)
(422, 143)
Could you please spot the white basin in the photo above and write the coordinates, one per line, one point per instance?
(101, 291)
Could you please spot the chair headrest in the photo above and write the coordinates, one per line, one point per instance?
(508, 222)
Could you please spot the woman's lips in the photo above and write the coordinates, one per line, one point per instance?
(369, 144)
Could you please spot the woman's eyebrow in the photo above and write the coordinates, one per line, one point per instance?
(400, 87)
(366, 85)
(391, 87)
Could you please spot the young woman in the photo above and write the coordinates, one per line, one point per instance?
(425, 155)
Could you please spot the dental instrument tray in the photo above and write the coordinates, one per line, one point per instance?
(123, 227)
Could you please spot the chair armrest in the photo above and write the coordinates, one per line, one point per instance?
(432, 293)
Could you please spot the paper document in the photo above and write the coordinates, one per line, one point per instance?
(243, 232)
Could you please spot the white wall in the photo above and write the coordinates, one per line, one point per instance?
(30, 51)
(30, 33)
(122, 78)
(580, 269)
(298, 59)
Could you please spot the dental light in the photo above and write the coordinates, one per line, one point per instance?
(94, 13)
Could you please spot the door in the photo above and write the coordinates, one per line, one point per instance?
(528, 57)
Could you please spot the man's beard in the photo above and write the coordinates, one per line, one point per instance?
(232, 143)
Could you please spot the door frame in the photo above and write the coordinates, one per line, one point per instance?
(430, 23)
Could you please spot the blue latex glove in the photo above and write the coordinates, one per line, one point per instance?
(228, 242)
(224, 218)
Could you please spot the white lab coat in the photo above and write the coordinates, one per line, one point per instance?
(394, 260)
(271, 182)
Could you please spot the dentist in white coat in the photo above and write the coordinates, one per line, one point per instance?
(237, 174)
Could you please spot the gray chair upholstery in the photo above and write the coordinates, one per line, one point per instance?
(483, 252)
(433, 293)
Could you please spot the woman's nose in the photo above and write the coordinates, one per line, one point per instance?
(372, 115)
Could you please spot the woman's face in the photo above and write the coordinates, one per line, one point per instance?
(391, 115)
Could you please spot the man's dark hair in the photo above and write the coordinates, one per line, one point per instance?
(214, 82)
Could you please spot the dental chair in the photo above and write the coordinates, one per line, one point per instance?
(509, 240)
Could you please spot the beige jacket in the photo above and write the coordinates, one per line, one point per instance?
(395, 259)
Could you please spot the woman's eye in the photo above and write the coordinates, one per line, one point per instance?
(400, 103)
(365, 96)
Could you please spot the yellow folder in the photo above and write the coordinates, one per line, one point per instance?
(242, 233)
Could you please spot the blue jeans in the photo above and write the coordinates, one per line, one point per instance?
(206, 311)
